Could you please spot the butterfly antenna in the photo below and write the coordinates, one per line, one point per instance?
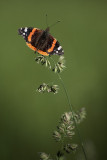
(55, 23)
(47, 20)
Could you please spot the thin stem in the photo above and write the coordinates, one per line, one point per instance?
(71, 108)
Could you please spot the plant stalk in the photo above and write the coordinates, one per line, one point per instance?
(71, 108)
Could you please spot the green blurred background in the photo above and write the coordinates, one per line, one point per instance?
(29, 118)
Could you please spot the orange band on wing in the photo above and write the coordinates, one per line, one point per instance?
(43, 53)
(31, 33)
(53, 45)
(35, 49)
(30, 46)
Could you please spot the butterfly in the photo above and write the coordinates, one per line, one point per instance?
(41, 41)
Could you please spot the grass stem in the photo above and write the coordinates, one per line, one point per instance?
(71, 108)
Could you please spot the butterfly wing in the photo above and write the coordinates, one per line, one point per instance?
(54, 46)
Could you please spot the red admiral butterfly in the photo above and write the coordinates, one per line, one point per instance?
(41, 41)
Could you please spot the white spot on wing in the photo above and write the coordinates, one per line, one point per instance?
(25, 29)
(59, 48)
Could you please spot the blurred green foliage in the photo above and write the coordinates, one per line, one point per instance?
(28, 118)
